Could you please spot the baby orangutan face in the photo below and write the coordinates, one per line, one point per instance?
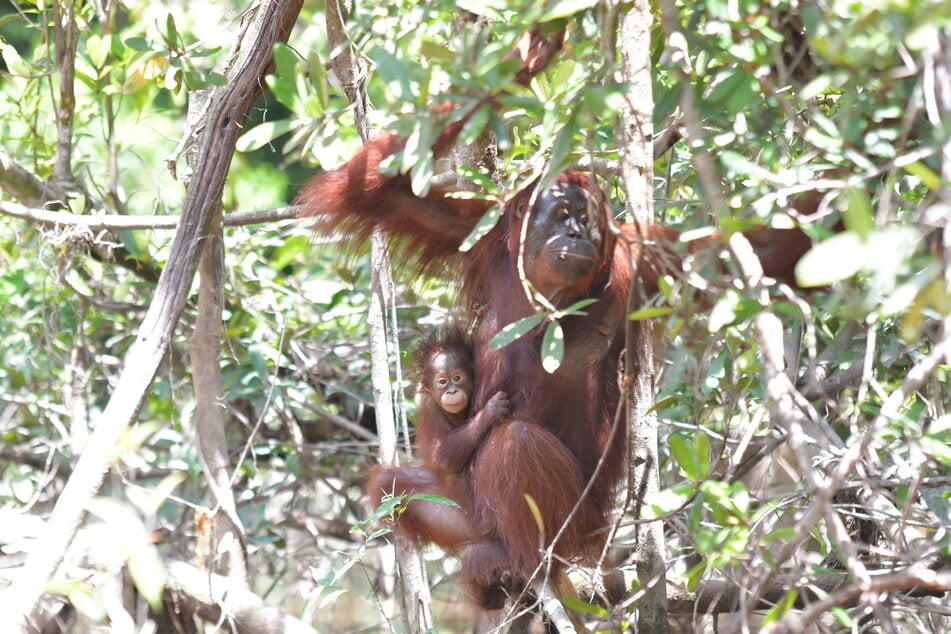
(448, 379)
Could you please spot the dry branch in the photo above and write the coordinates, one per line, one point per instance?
(117, 222)
(217, 599)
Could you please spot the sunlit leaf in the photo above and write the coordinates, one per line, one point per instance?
(669, 500)
(98, 48)
(514, 330)
(845, 254)
(843, 617)
(724, 311)
(489, 8)
(393, 72)
(171, 32)
(928, 177)
(684, 453)
(556, 9)
(475, 125)
(145, 74)
(318, 77)
(553, 347)
(436, 499)
(421, 175)
(485, 225)
(536, 512)
(260, 135)
(148, 573)
(583, 607)
(937, 449)
(782, 608)
(858, 213)
(576, 308)
(88, 603)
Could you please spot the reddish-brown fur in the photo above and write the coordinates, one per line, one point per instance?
(561, 422)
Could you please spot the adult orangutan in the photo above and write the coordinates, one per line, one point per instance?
(548, 450)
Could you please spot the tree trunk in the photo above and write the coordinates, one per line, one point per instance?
(637, 158)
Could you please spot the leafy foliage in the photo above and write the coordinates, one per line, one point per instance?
(831, 97)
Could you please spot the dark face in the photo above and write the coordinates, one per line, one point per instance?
(563, 245)
(448, 379)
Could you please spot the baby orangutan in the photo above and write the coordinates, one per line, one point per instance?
(447, 435)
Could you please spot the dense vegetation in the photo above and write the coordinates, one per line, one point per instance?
(807, 491)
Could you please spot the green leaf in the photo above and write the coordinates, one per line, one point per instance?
(669, 500)
(418, 145)
(695, 576)
(724, 312)
(148, 573)
(475, 125)
(139, 44)
(421, 175)
(858, 213)
(924, 173)
(392, 71)
(832, 260)
(514, 330)
(575, 309)
(577, 605)
(735, 90)
(739, 164)
(553, 347)
(556, 9)
(937, 449)
(262, 134)
(703, 452)
(318, 77)
(431, 49)
(564, 144)
(436, 499)
(489, 219)
(845, 254)
(98, 48)
(780, 610)
(171, 32)
(684, 452)
(492, 9)
(286, 61)
(650, 313)
(387, 508)
(88, 603)
(667, 401)
(842, 616)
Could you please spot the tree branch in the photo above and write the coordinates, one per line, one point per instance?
(218, 599)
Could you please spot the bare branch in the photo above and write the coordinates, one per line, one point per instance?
(217, 599)
(117, 222)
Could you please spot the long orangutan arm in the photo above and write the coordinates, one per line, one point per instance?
(655, 251)
(356, 198)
